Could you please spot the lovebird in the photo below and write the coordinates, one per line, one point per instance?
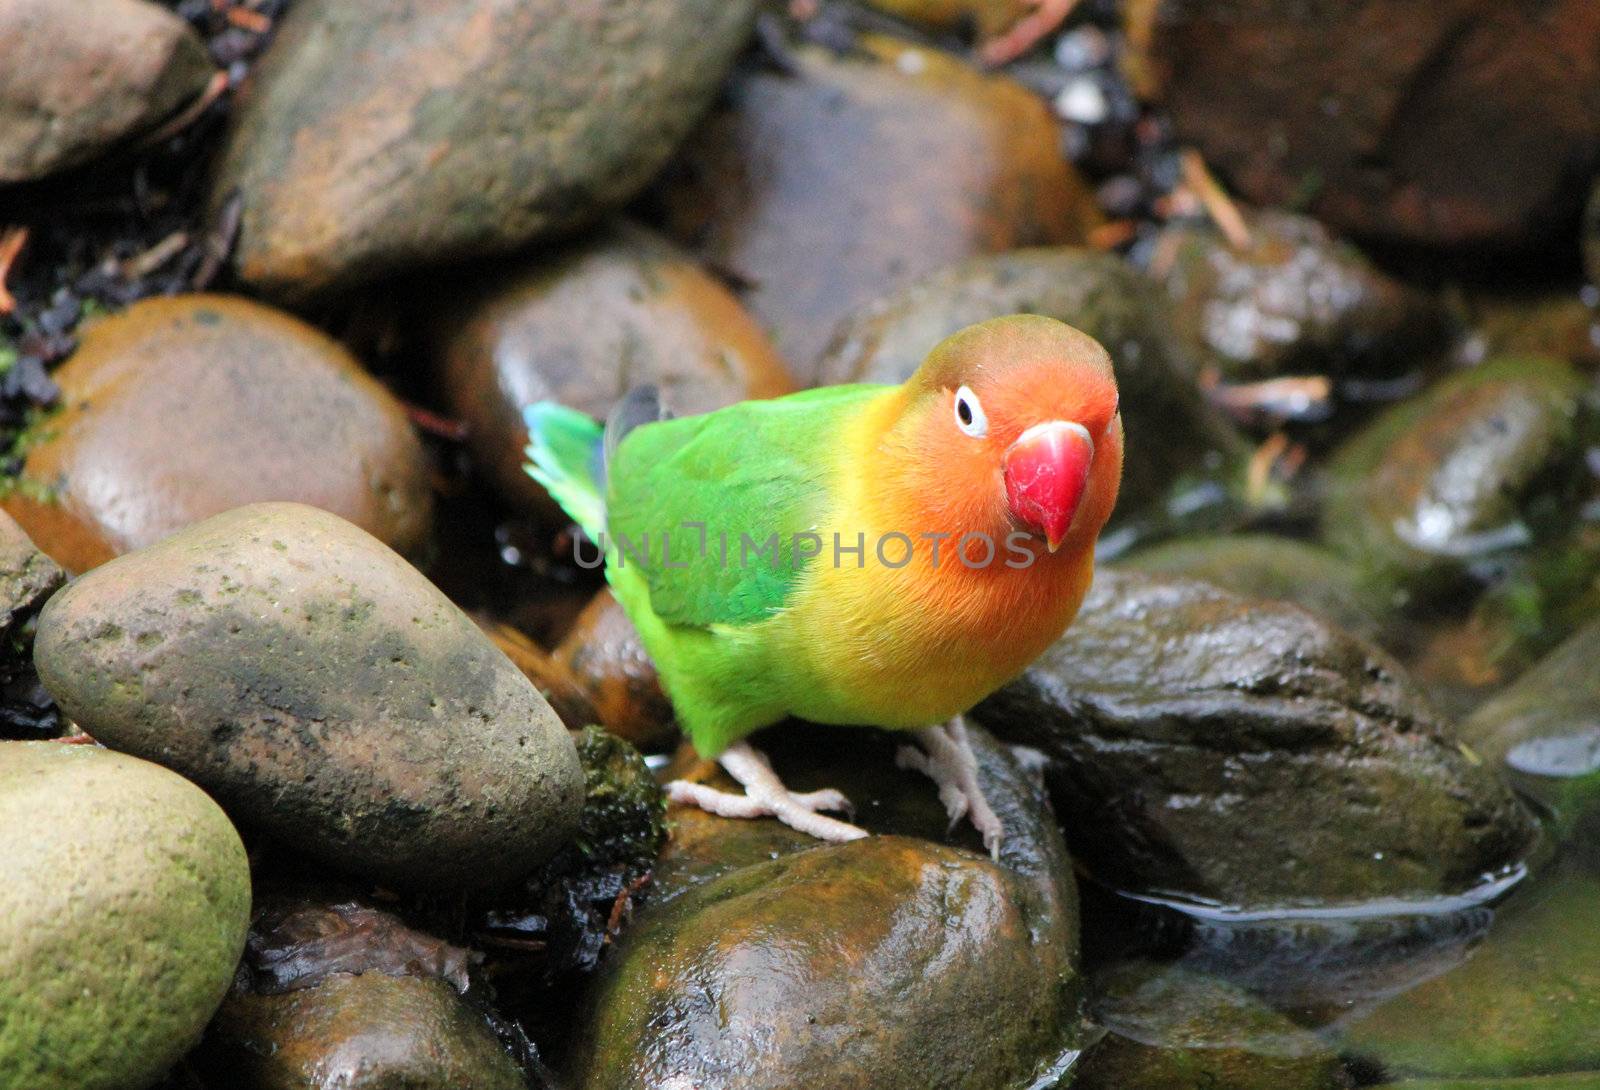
(862, 554)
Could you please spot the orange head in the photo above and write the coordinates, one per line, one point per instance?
(1011, 425)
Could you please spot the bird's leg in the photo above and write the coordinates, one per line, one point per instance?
(766, 796)
(946, 757)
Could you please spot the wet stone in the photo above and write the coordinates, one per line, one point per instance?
(324, 691)
(268, 408)
(1267, 566)
(1171, 1028)
(77, 78)
(1295, 300)
(888, 962)
(1243, 754)
(822, 189)
(606, 659)
(1455, 124)
(1525, 1003)
(1175, 433)
(1480, 464)
(1544, 730)
(124, 897)
(373, 141)
(583, 326)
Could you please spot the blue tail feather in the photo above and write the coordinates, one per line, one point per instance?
(566, 455)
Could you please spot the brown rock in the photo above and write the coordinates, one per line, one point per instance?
(585, 326)
(1459, 123)
(605, 658)
(765, 961)
(410, 133)
(77, 77)
(825, 189)
(180, 408)
(550, 677)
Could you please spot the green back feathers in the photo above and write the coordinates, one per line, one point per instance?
(708, 507)
(564, 455)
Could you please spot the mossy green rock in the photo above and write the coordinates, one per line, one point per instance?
(1545, 730)
(765, 960)
(1457, 473)
(1267, 566)
(124, 897)
(1242, 752)
(1175, 433)
(1173, 1029)
(324, 691)
(377, 137)
(1527, 1001)
(1582, 1080)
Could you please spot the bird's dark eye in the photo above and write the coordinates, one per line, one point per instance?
(969, 414)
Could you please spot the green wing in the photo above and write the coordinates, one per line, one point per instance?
(707, 507)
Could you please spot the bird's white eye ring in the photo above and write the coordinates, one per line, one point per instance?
(969, 414)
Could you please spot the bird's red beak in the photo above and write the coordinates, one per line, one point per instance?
(1046, 471)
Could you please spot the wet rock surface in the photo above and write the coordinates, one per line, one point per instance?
(1457, 124)
(822, 189)
(124, 897)
(324, 691)
(887, 962)
(1198, 740)
(1294, 300)
(1459, 473)
(346, 996)
(1525, 1003)
(1163, 413)
(1169, 1027)
(1545, 729)
(606, 659)
(27, 579)
(77, 78)
(268, 409)
(362, 147)
(1268, 566)
(622, 309)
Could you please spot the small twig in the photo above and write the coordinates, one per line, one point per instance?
(1224, 213)
(1027, 33)
(245, 19)
(1293, 397)
(456, 431)
(219, 242)
(620, 905)
(12, 240)
(1108, 236)
(156, 256)
(190, 113)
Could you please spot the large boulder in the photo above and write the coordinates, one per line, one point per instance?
(1463, 123)
(376, 138)
(765, 960)
(823, 188)
(124, 897)
(324, 691)
(583, 326)
(180, 408)
(1245, 754)
(76, 78)
(1171, 431)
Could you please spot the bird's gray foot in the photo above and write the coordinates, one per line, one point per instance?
(766, 796)
(946, 757)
